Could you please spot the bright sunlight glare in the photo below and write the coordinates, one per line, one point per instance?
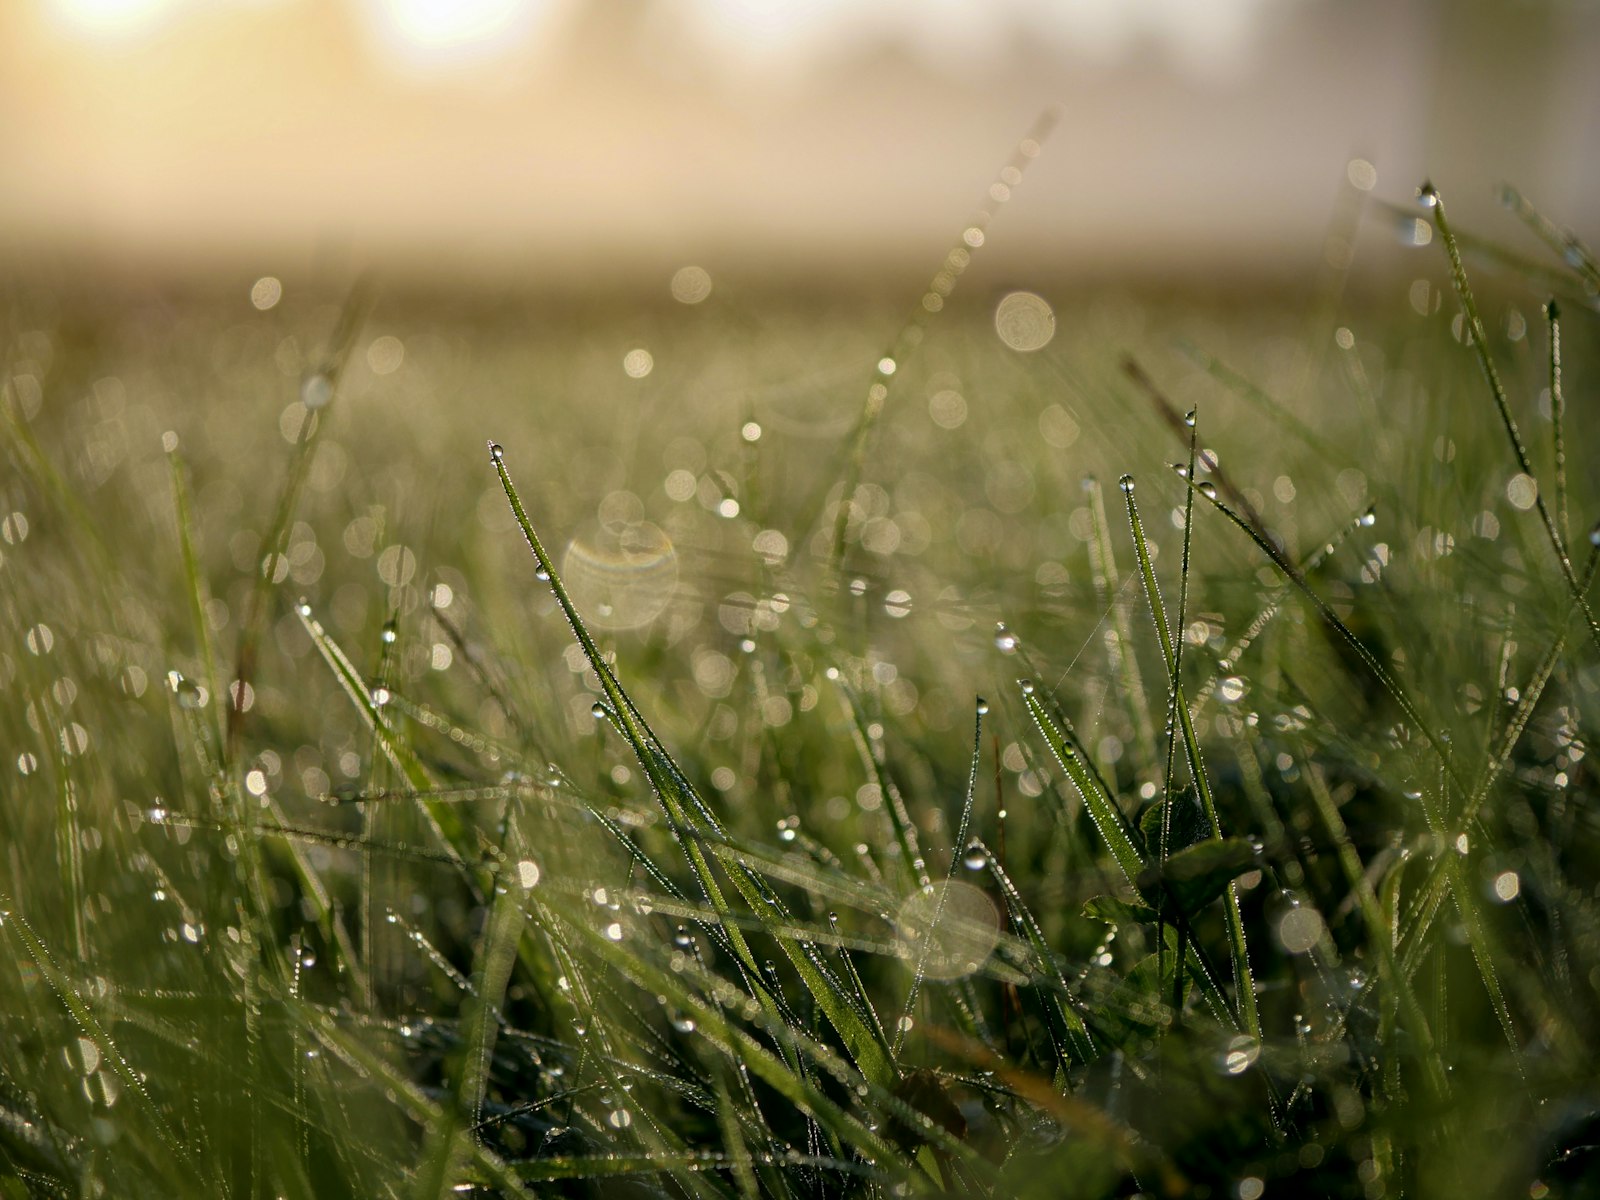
(113, 16)
(453, 29)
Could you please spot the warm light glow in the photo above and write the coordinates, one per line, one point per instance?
(113, 16)
(453, 30)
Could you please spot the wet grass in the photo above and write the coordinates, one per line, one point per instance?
(726, 786)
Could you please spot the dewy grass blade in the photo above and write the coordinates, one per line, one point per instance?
(1380, 929)
(317, 392)
(677, 797)
(1558, 412)
(912, 332)
(83, 1014)
(1119, 630)
(1108, 818)
(1566, 244)
(1243, 981)
(957, 850)
(195, 589)
(1480, 345)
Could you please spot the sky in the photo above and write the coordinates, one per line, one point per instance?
(569, 140)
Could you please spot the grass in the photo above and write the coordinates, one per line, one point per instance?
(844, 797)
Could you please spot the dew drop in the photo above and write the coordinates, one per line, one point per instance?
(1428, 194)
(1208, 489)
(389, 634)
(496, 454)
(1027, 687)
(1126, 484)
(1369, 518)
(1182, 470)
(975, 859)
(983, 707)
(316, 391)
(598, 711)
(1189, 418)
(1004, 640)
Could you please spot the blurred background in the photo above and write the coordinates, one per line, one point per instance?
(562, 144)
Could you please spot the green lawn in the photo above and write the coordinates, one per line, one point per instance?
(778, 845)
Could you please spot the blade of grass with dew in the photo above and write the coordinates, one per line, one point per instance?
(1558, 412)
(83, 1015)
(912, 332)
(1380, 675)
(317, 392)
(1480, 345)
(195, 589)
(958, 848)
(1244, 983)
(905, 830)
(712, 1023)
(1379, 926)
(1069, 1036)
(400, 1089)
(1566, 244)
(1104, 811)
(497, 954)
(674, 791)
(1119, 631)
(1483, 950)
(1175, 694)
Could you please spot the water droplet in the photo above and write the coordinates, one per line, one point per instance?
(308, 958)
(1369, 518)
(598, 711)
(1027, 687)
(1189, 418)
(975, 859)
(1208, 489)
(389, 634)
(983, 707)
(496, 454)
(1126, 484)
(316, 391)
(1004, 640)
(304, 608)
(1428, 194)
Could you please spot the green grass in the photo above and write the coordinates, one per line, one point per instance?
(997, 831)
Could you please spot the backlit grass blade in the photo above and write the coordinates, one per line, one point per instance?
(1243, 981)
(1108, 818)
(195, 590)
(1480, 345)
(1119, 630)
(678, 798)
